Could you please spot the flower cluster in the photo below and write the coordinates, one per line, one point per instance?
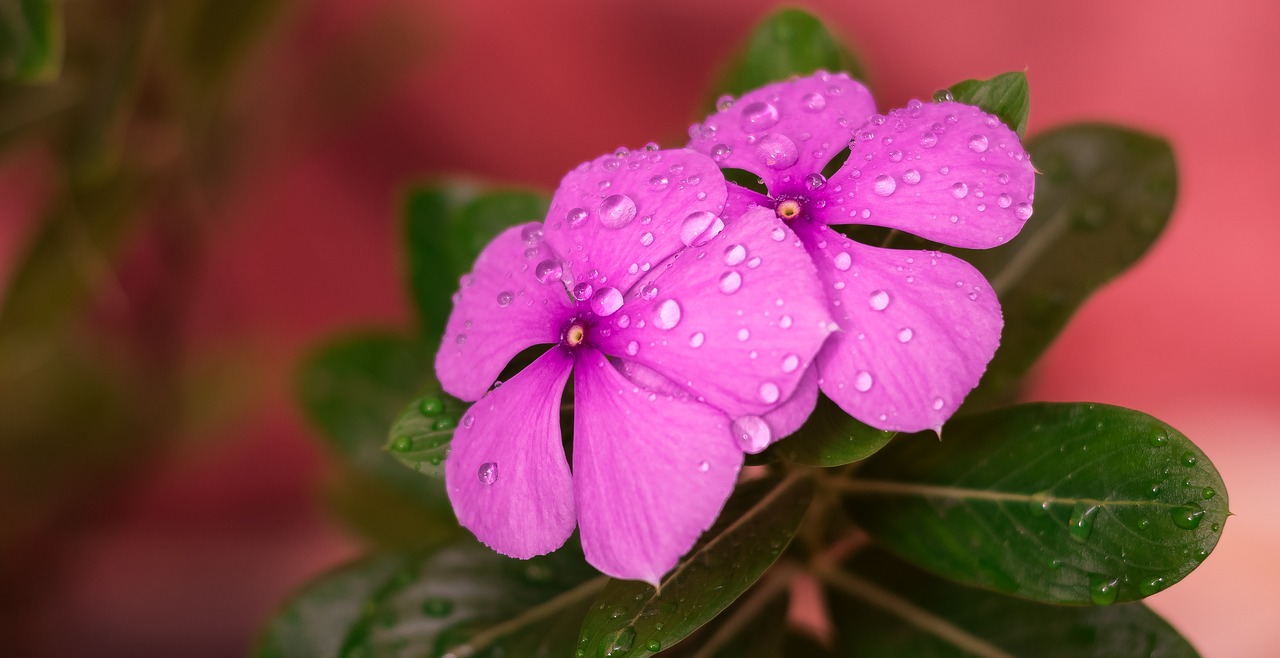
(699, 319)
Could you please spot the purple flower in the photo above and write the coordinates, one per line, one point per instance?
(918, 328)
(681, 330)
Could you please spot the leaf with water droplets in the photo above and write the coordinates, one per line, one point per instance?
(446, 225)
(1006, 96)
(31, 40)
(754, 528)
(830, 437)
(790, 42)
(1062, 503)
(881, 607)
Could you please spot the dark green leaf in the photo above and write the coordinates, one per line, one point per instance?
(466, 600)
(757, 523)
(831, 437)
(314, 622)
(1005, 96)
(387, 516)
(352, 389)
(1105, 196)
(790, 42)
(885, 608)
(446, 226)
(1063, 503)
(30, 40)
(420, 436)
(753, 627)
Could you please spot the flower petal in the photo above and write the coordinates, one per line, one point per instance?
(500, 310)
(741, 200)
(615, 217)
(785, 131)
(946, 172)
(650, 472)
(787, 417)
(734, 322)
(506, 473)
(919, 328)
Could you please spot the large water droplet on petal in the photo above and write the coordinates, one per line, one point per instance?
(658, 182)
(699, 227)
(928, 140)
(843, 261)
(978, 143)
(959, 190)
(668, 315)
(911, 176)
(735, 254)
(697, 339)
(1022, 210)
(790, 362)
(769, 392)
(488, 473)
(606, 301)
(504, 298)
(752, 432)
(879, 300)
(905, 335)
(617, 210)
(548, 270)
(813, 102)
(759, 116)
(862, 381)
(778, 151)
(885, 185)
(531, 234)
(575, 217)
(730, 282)
(582, 291)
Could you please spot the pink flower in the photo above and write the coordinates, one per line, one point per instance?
(918, 327)
(680, 330)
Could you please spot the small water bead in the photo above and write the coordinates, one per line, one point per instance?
(668, 315)
(1023, 211)
(1187, 517)
(582, 291)
(879, 300)
(1149, 587)
(697, 339)
(862, 381)
(778, 151)
(813, 102)
(752, 432)
(531, 234)
(769, 392)
(699, 227)
(978, 143)
(1004, 200)
(938, 403)
(885, 185)
(814, 181)
(704, 466)
(632, 348)
(504, 298)
(744, 334)
(658, 182)
(843, 261)
(790, 362)
(488, 473)
(785, 322)
(753, 263)
(721, 152)
(575, 217)
(547, 271)
(759, 116)
(1080, 525)
(606, 301)
(431, 406)
(928, 140)
(653, 645)
(468, 421)
(735, 254)
(1208, 493)
(905, 335)
(959, 190)
(1003, 178)
(1103, 590)
(730, 282)
(1189, 459)
(646, 239)
(911, 176)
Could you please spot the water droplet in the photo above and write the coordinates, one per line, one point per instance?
(437, 607)
(668, 315)
(785, 322)
(1207, 493)
(468, 421)
(622, 642)
(769, 392)
(735, 254)
(504, 298)
(1080, 525)
(885, 185)
(582, 291)
(721, 152)
(575, 217)
(759, 116)
(752, 432)
(531, 234)
(938, 403)
(928, 140)
(697, 339)
(730, 282)
(911, 176)
(402, 444)
(778, 234)
(606, 301)
(632, 348)
(1187, 517)
(653, 645)
(813, 102)
(547, 271)
(1022, 210)
(1160, 438)
(646, 239)
(879, 300)
(444, 423)
(658, 182)
(960, 190)
(488, 473)
(790, 362)
(699, 227)
(1189, 459)
(704, 466)
(842, 261)
(1004, 200)
(1151, 586)
(1103, 590)
(744, 334)
(778, 151)
(905, 335)
(431, 406)
(862, 381)
(978, 143)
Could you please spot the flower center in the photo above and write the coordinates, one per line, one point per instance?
(574, 335)
(789, 209)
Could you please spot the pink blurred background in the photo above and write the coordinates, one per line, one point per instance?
(347, 101)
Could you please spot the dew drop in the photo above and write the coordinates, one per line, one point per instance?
(885, 185)
(1022, 210)
(759, 116)
(911, 176)
(668, 315)
(790, 362)
(658, 183)
(488, 473)
(778, 151)
(905, 335)
(547, 271)
(1004, 200)
(582, 291)
(697, 339)
(769, 392)
(1103, 590)
(813, 102)
(938, 403)
(960, 190)
(814, 181)
(504, 298)
(575, 217)
(785, 322)
(843, 261)
(752, 432)
(721, 152)
(531, 234)
(431, 406)
(978, 143)
(730, 282)
(1189, 459)
(704, 466)
(735, 254)
(879, 300)
(928, 140)
(468, 421)
(606, 301)
(778, 234)
(862, 381)
(632, 348)
(1080, 525)
(646, 239)
(1187, 517)
(699, 227)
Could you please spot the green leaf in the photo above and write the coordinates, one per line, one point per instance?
(1105, 196)
(314, 622)
(446, 225)
(1062, 503)
(30, 40)
(387, 516)
(632, 616)
(421, 434)
(753, 627)
(1005, 96)
(885, 608)
(790, 42)
(352, 389)
(831, 437)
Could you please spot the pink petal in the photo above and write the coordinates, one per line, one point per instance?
(741, 200)
(501, 309)
(946, 172)
(787, 417)
(506, 472)
(650, 472)
(918, 331)
(734, 322)
(617, 216)
(785, 131)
